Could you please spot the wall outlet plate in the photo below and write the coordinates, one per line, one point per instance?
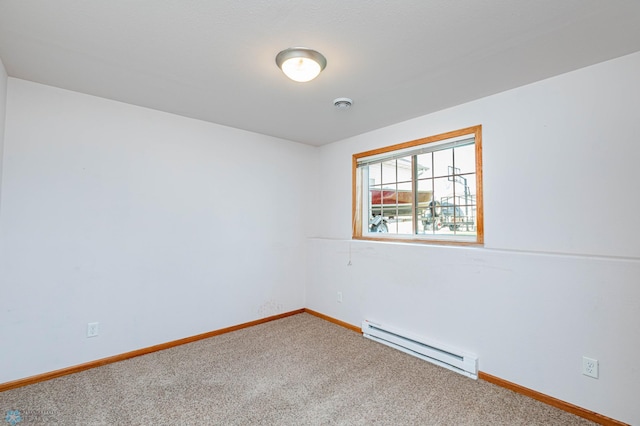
(590, 367)
(92, 329)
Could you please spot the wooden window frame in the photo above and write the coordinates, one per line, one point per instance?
(357, 214)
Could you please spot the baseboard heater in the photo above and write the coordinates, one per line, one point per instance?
(436, 353)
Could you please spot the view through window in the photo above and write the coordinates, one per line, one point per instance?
(429, 189)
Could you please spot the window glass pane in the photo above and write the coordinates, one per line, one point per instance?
(389, 207)
(375, 203)
(404, 220)
(467, 181)
(404, 169)
(464, 190)
(374, 222)
(442, 162)
(464, 222)
(425, 206)
(425, 194)
(389, 171)
(375, 174)
(442, 188)
(465, 159)
(443, 192)
(388, 201)
(424, 168)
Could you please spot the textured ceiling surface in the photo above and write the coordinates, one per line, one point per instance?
(215, 60)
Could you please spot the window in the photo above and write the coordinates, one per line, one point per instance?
(427, 190)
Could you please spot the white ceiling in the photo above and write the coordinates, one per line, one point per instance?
(215, 60)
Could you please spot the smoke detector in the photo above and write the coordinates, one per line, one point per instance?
(342, 103)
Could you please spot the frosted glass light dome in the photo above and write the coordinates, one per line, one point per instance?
(300, 63)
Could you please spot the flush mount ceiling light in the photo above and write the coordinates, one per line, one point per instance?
(300, 63)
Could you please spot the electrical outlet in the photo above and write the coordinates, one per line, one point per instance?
(92, 329)
(590, 367)
(339, 297)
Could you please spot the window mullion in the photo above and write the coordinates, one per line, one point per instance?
(414, 192)
(454, 192)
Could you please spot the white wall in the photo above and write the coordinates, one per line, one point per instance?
(156, 226)
(559, 274)
(3, 103)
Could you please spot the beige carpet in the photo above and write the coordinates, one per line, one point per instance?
(299, 370)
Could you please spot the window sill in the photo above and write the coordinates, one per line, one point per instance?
(421, 241)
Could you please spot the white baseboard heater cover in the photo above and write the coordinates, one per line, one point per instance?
(436, 353)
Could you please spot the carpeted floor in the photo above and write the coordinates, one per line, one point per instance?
(300, 370)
